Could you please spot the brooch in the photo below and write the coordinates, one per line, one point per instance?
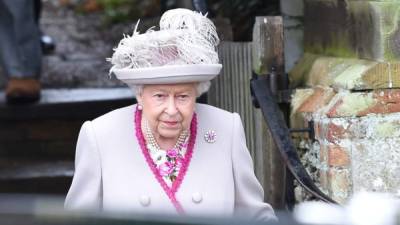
(210, 136)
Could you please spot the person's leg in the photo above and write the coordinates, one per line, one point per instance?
(37, 7)
(47, 43)
(20, 52)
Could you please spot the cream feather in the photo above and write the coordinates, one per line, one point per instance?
(185, 37)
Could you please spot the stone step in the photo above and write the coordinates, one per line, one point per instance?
(68, 104)
(49, 129)
(31, 169)
(37, 141)
(35, 176)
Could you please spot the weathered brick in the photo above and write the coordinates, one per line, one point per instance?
(332, 130)
(340, 185)
(318, 131)
(323, 153)
(373, 126)
(307, 101)
(297, 119)
(358, 132)
(323, 169)
(299, 97)
(335, 132)
(345, 73)
(362, 104)
(323, 179)
(318, 99)
(338, 156)
(387, 101)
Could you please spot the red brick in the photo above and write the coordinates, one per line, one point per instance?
(340, 185)
(332, 112)
(323, 173)
(318, 132)
(319, 98)
(334, 132)
(338, 156)
(387, 101)
(323, 179)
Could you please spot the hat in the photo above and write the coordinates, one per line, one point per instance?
(183, 50)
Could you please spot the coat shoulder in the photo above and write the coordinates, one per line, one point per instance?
(116, 117)
(212, 111)
(213, 118)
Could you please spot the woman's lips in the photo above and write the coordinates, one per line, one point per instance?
(170, 123)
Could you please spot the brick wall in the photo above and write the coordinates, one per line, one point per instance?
(347, 84)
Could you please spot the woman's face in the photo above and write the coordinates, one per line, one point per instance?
(168, 108)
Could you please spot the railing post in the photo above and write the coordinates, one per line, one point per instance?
(268, 58)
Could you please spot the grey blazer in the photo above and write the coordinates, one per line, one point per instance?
(111, 173)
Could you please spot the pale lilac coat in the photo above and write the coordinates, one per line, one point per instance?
(111, 173)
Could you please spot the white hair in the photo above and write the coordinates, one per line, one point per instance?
(201, 88)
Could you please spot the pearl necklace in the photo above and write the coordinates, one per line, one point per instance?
(151, 141)
(170, 191)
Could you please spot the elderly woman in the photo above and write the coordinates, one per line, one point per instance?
(167, 154)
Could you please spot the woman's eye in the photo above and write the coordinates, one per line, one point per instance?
(159, 96)
(183, 97)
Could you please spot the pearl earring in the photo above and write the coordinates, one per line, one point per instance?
(139, 107)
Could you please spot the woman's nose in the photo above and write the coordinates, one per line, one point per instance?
(171, 107)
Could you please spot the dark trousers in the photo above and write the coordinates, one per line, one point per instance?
(20, 50)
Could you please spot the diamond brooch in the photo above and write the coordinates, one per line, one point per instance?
(210, 136)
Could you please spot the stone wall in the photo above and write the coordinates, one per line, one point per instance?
(348, 86)
(292, 12)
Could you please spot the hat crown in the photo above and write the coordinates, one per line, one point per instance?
(185, 37)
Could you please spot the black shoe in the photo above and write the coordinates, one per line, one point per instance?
(47, 44)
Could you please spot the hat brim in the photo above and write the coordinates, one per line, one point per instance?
(169, 74)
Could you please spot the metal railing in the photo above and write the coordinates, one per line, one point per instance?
(264, 99)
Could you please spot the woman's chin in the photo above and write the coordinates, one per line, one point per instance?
(169, 133)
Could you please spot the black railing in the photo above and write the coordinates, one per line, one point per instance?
(264, 99)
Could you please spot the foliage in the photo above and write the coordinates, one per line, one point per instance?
(119, 10)
(242, 14)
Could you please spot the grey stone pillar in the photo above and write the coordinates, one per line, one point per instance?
(292, 12)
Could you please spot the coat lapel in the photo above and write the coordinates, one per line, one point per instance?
(170, 191)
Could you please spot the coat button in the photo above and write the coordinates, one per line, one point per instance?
(145, 200)
(196, 197)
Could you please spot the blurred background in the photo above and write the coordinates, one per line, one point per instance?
(333, 71)
(37, 141)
